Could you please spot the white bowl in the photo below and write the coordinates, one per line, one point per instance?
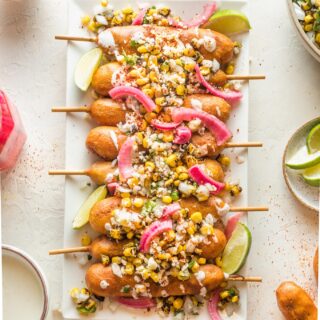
(23, 263)
(308, 44)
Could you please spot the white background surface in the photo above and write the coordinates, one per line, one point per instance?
(32, 72)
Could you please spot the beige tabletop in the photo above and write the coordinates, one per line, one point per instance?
(32, 72)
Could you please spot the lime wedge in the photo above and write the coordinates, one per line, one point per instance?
(302, 159)
(82, 216)
(313, 139)
(228, 22)
(312, 176)
(237, 249)
(86, 67)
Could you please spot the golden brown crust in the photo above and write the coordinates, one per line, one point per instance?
(107, 112)
(215, 169)
(315, 264)
(215, 245)
(100, 141)
(99, 171)
(97, 272)
(295, 303)
(205, 207)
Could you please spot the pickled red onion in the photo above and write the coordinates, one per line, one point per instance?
(216, 126)
(7, 123)
(122, 91)
(208, 10)
(165, 126)
(213, 306)
(230, 96)
(141, 303)
(232, 223)
(125, 158)
(153, 231)
(112, 187)
(198, 175)
(138, 20)
(170, 210)
(183, 135)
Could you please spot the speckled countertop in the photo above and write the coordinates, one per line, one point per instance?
(32, 72)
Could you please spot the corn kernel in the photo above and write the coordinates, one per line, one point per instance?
(191, 230)
(116, 20)
(105, 260)
(129, 252)
(180, 90)
(308, 27)
(137, 262)
(317, 39)
(165, 67)
(166, 199)
(235, 299)
(224, 294)
(154, 276)
(125, 195)
(116, 260)
(230, 69)
(171, 161)
(178, 303)
(174, 272)
(130, 235)
(223, 284)
(129, 18)
(196, 217)
(171, 235)
(176, 183)
(145, 143)
(92, 26)
(74, 293)
(183, 176)
(85, 20)
(164, 11)
(235, 190)
(144, 125)
(167, 136)
(127, 10)
(134, 73)
(153, 76)
(308, 18)
(306, 6)
(218, 261)
(160, 101)
(150, 116)
(195, 267)
(145, 274)
(85, 240)
(164, 256)
(138, 202)
(149, 92)
(129, 269)
(206, 230)
(183, 275)
(181, 248)
(126, 202)
(168, 183)
(189, 67)
(142, 49)
(224, 160)
(205, 70)
(115, 234)
(142, 81)
(150, 166)
(104, 3)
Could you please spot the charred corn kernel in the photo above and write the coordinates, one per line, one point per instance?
(85, 240)
(116, 20)
(134, 73)
(130, 235)
(174, 272)
(154, 276)
(149, 92)
(165, 67)
(180, 90)
(129, 269)
(116, 260)
(127, 10)
(166, 199)
(92, 26)
(224, 294)
(189, 52)
(178, 62)
(235, 190)
(182, 275)
(308, 27)
(171, 161)
(145, 274)
(183, 176)
(142, 81)
(195, 267)
(85, 20)
(115, 234)
(204, 70)
(147, 182)
(228, 186)
(191, 161)
(139, 137)
(235, 299)
(144, 125)
(167, 136)
(168, 183)
(133, 182)
(164, 11)
(206, 230)
(202, 197)
(176, 183)
(171, 299)
(160, 101)
(150, 165)
(129, 18)
(137, 262)
(153, 61)
(191, 230)
(125, 195)
(178, 303)
(138, 202)
(317, 39)
(164, 22)
(164, 256)
(196, 217)
(181, 169)
(156, 177)
(152, 11)
(142, 49)
(181, 248)
(74, 293)
(129, 252)
(145, 143)
(126, 202)
(105, 259)
(189, 67)
(224, 160)
(230, 69)
(153, 76)
(306, 6)
(218, 261)
(165, 264)
(223, 284)
(171, 235)
(308, 18)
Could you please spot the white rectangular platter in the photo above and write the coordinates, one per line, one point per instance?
(78, 157)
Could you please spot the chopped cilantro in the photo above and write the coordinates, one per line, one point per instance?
(148, 207)
(134, 44)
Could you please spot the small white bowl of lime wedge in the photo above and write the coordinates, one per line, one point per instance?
(301, 164)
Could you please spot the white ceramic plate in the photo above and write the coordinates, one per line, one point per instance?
(307, 43)
(77, 156)
(307, 195)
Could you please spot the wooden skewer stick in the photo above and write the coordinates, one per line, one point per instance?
(243, 144)
(71, 109)
(246, 77)
(244, 279)
(248, 209)
(72, 38)
(67, 172)
(69, 250)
